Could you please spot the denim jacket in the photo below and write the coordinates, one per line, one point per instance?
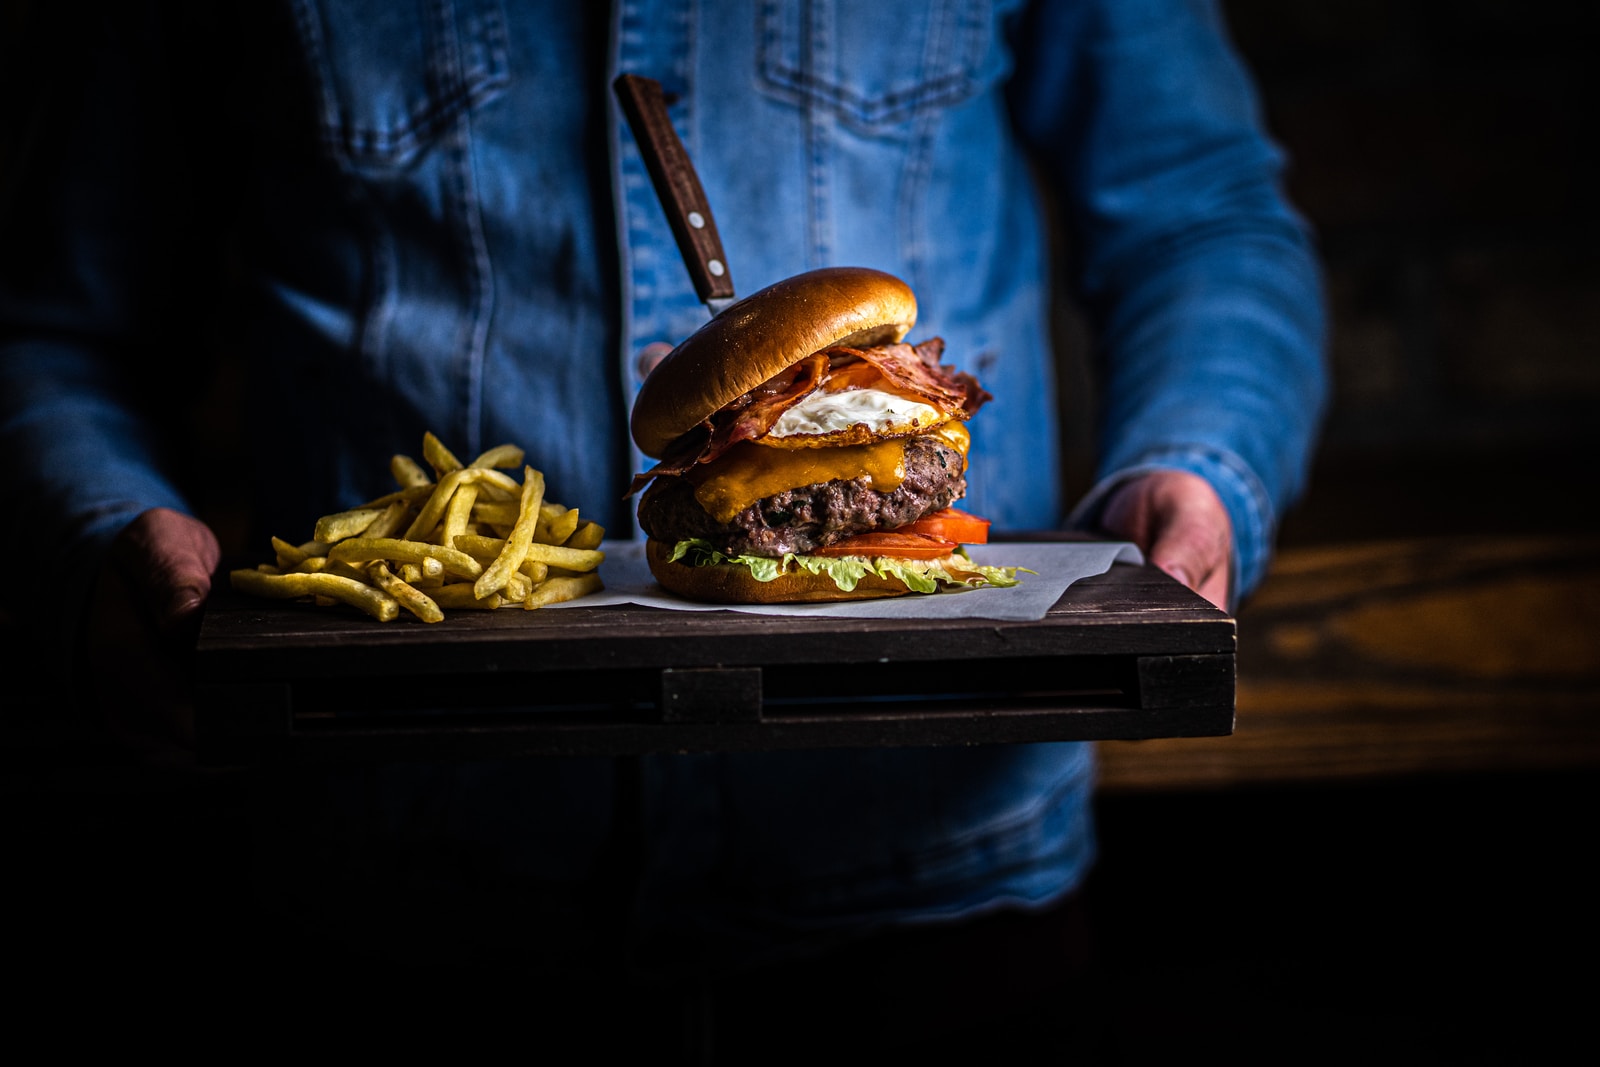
(435, 218)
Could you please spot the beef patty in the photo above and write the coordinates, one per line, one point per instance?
(799, 520)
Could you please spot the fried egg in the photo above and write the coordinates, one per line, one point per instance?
(882, 413)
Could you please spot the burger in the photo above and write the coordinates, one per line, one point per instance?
(807, 452)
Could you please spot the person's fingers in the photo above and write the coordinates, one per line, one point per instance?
(1180, 523)
(143, 616)
(168, 558)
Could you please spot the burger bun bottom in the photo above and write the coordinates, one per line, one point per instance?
(730, 583)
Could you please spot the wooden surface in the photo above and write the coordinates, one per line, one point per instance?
(1403, 657)
(1128, 654)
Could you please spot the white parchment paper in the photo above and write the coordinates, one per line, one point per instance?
(1055, 566)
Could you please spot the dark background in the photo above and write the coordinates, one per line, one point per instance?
(1396, 872)
(1302, 908)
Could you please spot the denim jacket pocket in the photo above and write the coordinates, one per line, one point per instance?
(831, 53)
(391, 77)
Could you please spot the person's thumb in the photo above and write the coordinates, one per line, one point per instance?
(1180, 522)
(1190, 550)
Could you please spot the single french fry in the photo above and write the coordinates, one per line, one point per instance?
(534, 571)
(587, 535)
(556, 524)
(410, 598)
(323, 565)
(499, 456)
(345, 569)
(497, 512)
(458, 515)
(411, 496)
(479, 547)
(289, 556)
(408, 473)
(366, 549)
(573, 559)
(343, 524)
(495, 576)
(440, 458)
(560, 590)
(432, 511)
(390, 521)
(358, 594)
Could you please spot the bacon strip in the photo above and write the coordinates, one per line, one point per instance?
(917, 370)
(907, 369)
(758, 410)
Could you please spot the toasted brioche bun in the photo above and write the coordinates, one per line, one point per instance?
(763, 334)
(733, 584)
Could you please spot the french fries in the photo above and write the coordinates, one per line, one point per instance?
(374, 602)
(467, 537)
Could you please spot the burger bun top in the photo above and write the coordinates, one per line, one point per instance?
(762, 335)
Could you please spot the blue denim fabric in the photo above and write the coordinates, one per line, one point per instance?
(439, 221)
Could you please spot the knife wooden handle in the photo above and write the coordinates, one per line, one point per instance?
(677, 184)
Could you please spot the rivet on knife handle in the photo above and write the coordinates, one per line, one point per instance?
(678, 186)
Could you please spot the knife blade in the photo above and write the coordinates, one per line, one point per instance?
(678, 187)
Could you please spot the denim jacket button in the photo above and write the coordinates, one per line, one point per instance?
(650, 355)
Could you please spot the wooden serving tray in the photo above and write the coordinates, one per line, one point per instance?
(1128, 654)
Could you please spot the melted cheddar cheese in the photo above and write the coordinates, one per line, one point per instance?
(749, 471)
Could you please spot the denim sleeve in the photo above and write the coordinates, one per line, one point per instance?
(82, 244)
(1200, 280)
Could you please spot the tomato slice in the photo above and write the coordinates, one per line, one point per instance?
(950, 525)
(894, 543)
(930, 537)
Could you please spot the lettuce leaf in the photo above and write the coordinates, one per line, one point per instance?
(955, 571)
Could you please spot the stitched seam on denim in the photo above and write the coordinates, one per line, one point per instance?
(919, 161)
(483, 290)
(621, 15)
(310, 29)
(466, 213)
(1260, 518)
(817, 145)
(686, 18)
(890, 107)
(447, 95)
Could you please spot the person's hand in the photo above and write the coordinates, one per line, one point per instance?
(1179, 522)
(144, 613)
